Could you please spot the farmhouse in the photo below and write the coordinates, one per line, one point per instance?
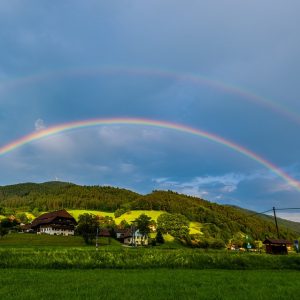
(122, 233)
(54, 223)
(277, 246)
(135, 238)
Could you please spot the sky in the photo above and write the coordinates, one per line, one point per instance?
(229, 68)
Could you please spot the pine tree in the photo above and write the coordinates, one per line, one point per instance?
(159, 237)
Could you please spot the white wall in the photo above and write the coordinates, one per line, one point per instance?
(51, 231)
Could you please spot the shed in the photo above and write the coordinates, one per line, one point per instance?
(276, 246)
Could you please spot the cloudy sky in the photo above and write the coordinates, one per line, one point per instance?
(230, 68)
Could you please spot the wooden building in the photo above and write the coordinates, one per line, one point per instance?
(277, 246)
(135, 238)
(54, 223)
(121, 234)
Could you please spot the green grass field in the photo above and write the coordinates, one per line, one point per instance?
(148, 284)
(23, 240)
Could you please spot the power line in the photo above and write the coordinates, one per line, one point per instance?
(288, 208)
(246, 217)
(263, 213)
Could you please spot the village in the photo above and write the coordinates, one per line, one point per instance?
(62, 223)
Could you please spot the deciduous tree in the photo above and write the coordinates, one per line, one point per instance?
(87, 227)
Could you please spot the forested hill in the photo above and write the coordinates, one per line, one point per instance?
(56, 195)
(220, 220)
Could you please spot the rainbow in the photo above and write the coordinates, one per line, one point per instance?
(244, 95)
(37, 135)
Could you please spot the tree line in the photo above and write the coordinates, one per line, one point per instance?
(220, 222)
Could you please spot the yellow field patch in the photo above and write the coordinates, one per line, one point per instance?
(195, 228)
(77, 212)
(132, 215)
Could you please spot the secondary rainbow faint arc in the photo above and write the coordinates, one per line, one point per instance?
(164, 73)
(154, 123)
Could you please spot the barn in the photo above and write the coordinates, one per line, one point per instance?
(277, 246)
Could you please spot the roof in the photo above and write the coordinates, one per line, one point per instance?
(51, 216)
(26, 226)
(104, 232)
(130, 234)
(121, 230)
(277, 242)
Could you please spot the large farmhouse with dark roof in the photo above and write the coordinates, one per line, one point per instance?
(54, 223)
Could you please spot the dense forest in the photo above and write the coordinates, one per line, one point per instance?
(220, 221)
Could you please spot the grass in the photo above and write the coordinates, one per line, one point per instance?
(23, 240)
(114, 257)
(132, 215)
(147, 284)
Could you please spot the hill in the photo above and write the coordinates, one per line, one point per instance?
(217, 221)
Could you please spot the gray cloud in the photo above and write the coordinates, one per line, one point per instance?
(252, 45)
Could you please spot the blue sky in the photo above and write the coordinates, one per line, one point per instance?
(62, 61)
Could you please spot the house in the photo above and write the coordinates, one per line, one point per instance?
(134, 237)
(122, 233)
(59, 222)
(26, 228)
(277, 246)
(104, 232)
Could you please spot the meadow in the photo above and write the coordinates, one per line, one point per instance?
(147, 284)
(108, 257)
(21, 240)
(35, 266)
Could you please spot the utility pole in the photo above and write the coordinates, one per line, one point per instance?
(274, 211)
(97, 234)
(133, 235)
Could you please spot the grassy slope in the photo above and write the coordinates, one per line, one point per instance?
(77, 212)
(147, 284)
(132, 215)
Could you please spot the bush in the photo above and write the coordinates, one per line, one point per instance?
(217, 244)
